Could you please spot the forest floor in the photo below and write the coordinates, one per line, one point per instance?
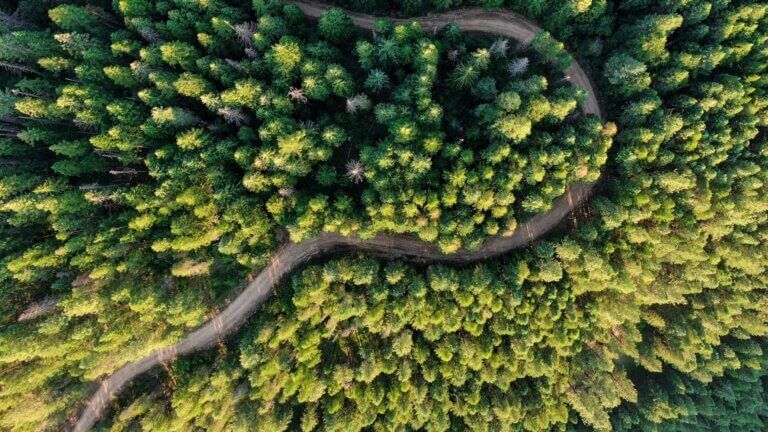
(294, 255)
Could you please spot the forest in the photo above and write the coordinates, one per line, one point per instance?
(156, 155)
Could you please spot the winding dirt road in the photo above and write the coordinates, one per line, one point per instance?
(294, 255)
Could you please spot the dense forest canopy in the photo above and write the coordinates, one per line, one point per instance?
(154, 154)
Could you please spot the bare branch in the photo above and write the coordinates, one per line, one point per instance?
(245, 32)
(39, 308)
(355, 171)
(518, 66)
(126, 171)
(17, 68)
(233, 115)
(95, 186)
(107, 154)
(150, 35)
(12, 21)
(251, 53)
(297, 95)
(500, 47)
(357, 103)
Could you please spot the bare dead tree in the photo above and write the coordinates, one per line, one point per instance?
(245, 32)
(308, 125)
(103, 199)
(96, 186)
(107, 154)
(14, 119)
(233, 115)
(149, 34)
(140, 69)
(39, 308)
(499, 47)
(18, 92)
(297, 95)
(251, 53)
(518, 66)
(85, 125)
(357, 103)
(126, 171)
(9, 131)
(12, 21)
(355, 171)
(17, 68)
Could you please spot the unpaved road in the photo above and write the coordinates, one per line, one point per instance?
(294, 255)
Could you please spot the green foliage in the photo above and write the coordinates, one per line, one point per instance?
(553, 50)
(73, 18)
(423, 337)
(674, 402)
(285, 57)
(336, 26)
(627, 75)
